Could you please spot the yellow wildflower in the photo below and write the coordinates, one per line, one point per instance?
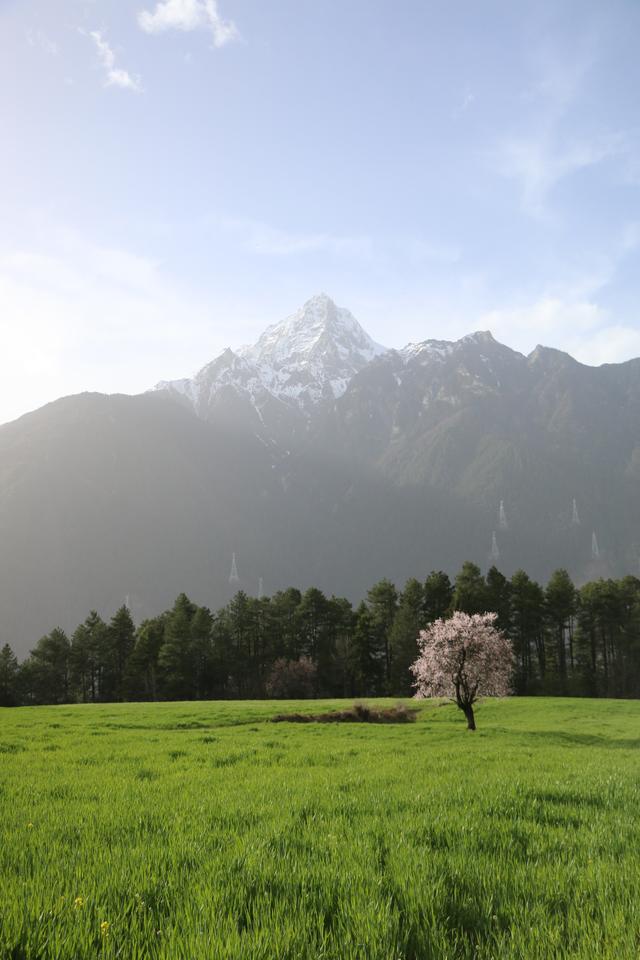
(104, 928)
(78, 903)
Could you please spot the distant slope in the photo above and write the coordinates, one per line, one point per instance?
(101, 497)
(489, 425)
(107, 497)
(319, 458)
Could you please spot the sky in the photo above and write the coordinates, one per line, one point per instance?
(177, 175)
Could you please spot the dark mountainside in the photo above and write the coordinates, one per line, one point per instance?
(319, 459)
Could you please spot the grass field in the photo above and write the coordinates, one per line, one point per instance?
(201, 830)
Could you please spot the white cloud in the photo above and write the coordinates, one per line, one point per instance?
(582, 328)
(189, 15)
(613, 344)
(114, 76)
(545, 151)
(552, 320)
(540, 162)
(568, 315)
(77, 316)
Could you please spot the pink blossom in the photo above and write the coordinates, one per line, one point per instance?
(464, 658)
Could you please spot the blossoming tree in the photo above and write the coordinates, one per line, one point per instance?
(464, 657)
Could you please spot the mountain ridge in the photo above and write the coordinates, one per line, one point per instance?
(312, 356)
(308, 357)
(352, 463)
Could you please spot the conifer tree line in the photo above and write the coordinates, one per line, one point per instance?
(567, 641)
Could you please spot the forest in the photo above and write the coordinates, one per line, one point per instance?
(567, 641)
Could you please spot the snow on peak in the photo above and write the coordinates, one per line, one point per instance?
(479, 336)
(312, 354)
(439, 350)
(319, 328)
(308, 357)
(427, 350)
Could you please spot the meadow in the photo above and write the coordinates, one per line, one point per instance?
(202, 830)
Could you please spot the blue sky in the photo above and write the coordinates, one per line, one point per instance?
(176, 175)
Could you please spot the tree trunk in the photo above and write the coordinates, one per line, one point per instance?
(471, 721)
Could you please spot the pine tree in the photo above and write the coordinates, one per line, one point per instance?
(285, 612)
(344, 628)
(438, 596)
(235, 630)
(527, 631)
(591, 636)
(201, 654)
(49, 673)
(9, 675)
(119, 642)
(630, 638)
(222, 656)
(560, 606)
(499, 598)
(141, 676)
(88, 656)
(175, 656)
(312, 616)
(336, 629)
(470, 594)
(382, 601)
(607, 637)
(364, 664)
(403, 639)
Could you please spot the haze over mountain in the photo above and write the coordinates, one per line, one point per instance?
(319, 458)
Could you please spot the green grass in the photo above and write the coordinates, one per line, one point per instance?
(202, 831)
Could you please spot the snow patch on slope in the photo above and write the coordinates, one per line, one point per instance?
(428, 350)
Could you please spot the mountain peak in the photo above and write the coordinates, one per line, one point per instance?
(312, 354)
(318, 330)
(320, 300)
(308, 357)
(479, 336)
(550, 356)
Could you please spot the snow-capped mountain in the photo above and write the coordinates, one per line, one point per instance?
(312, 355)
(320, 459)
(309, 357)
